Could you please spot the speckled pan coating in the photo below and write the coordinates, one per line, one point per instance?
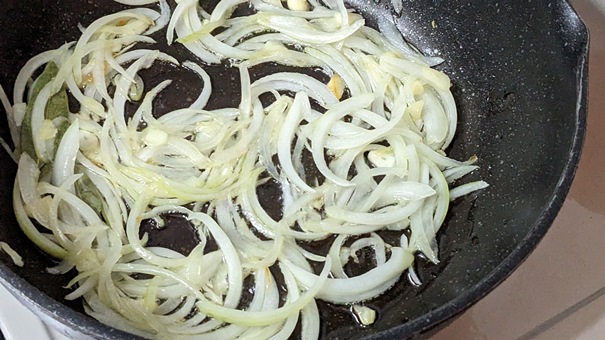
(519, 76)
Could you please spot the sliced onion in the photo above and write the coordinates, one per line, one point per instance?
(346, 160)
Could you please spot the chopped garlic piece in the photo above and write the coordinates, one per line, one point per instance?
(155, 137)
(88, 142)
(336, 86)
(318, 203)
(298, 5)
(382, 158)
(365, 315)
(415, 109)
(418, 88)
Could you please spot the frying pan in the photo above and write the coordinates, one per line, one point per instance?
(519, 75)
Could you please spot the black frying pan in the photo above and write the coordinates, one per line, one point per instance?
(519, 77)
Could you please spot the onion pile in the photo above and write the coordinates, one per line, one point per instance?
(355, 156)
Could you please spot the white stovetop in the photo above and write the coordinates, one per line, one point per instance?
(18, 323)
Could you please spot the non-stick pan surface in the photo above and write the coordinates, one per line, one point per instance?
(519, 77)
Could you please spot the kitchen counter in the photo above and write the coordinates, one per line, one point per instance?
(559, 291)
